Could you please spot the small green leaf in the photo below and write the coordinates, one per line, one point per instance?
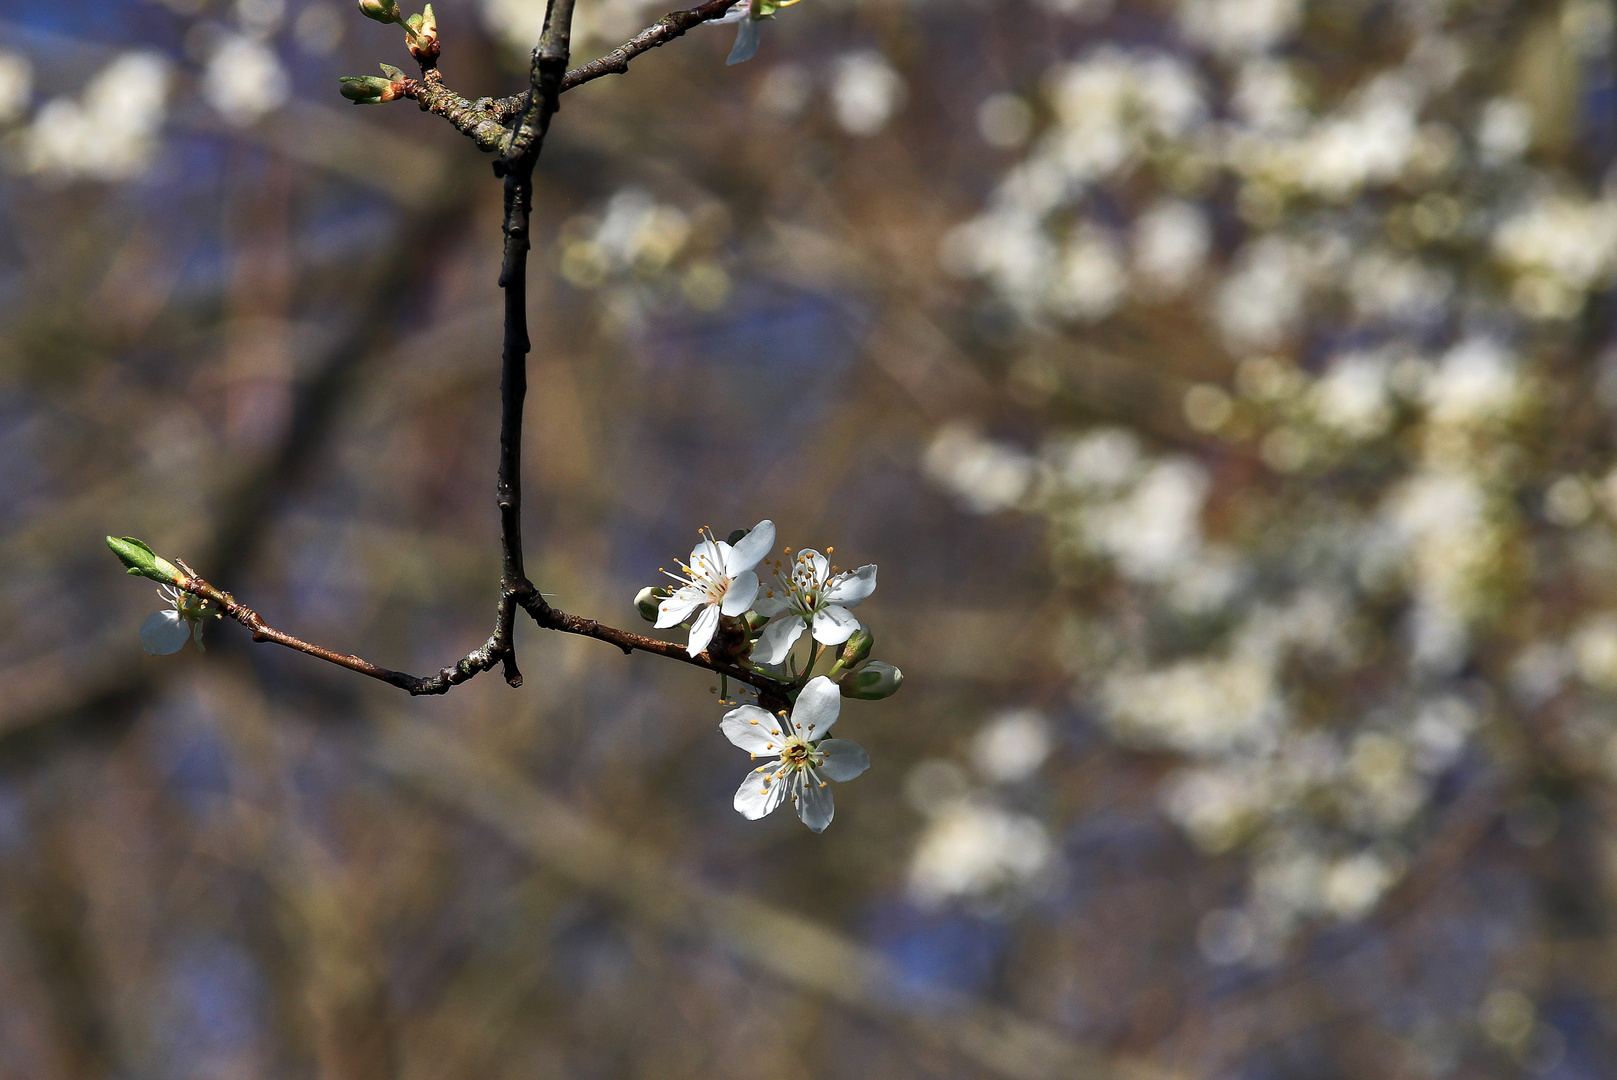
(393, 73)
(140, 559)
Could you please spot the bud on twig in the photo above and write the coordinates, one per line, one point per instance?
(876, 680)
(648, 601)
(370, 90)
(140, 560)
(422, 35)
(383, 11)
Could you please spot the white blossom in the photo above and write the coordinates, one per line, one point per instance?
(802, 765)
(164, 632)
(718, 580)
(811, 595)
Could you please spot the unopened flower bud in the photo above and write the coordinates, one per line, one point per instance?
(648, 601)
(140, 560)
(857, 647)
(874, 681)
(422, 36)
(383, 11)
(369, 89)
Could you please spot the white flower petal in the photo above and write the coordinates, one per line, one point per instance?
(677, 608)
(844, 758)
(852, 586)
(746, 46)
(814, 805)
(707, 560)
(833, 625)
(760, 793)
(743, 590)
(163, 632)
(817, 707)
(702, 629)
(749, 552)
(769, 605)
(777, 640)
(754, 730)
(196, 634)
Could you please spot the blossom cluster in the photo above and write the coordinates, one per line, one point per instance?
(1382, 288)
(735, 616)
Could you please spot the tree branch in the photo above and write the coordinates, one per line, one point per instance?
(771, 692)
(492, 651)
(487, 121)
(520, 144)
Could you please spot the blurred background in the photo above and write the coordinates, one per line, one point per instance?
(1225, 389)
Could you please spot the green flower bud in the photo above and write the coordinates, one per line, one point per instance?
(383, 11)
(421, 35)
(648, 600)
(874, 681)
(140, 560)
(755, 621)
(368, 89)
(857, 647)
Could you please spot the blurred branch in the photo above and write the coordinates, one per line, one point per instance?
(784, 945)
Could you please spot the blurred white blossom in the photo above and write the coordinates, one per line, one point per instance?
(972, 848)
(16, 86)
(1012, 746)
(245, 80)
(110, 132)
(865, 92)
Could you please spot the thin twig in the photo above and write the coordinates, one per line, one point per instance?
(771, 692)
(478, 660)
(487, 121)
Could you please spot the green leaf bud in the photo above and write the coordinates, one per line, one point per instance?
(368, 89)
(383, 11)
(141, 560)
(393, 73)
(874, 681)
(648, 600)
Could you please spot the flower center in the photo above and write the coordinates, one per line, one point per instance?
(797, 755)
